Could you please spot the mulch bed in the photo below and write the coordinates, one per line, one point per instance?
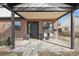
(10, 53)
(58, 53)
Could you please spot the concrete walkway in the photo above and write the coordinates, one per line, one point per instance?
(32, 46)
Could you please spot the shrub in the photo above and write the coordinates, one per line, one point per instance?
(5, 41)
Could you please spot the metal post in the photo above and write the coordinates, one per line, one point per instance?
(12, 30)
(72, 32)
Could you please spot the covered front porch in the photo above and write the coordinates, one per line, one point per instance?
(36, 16)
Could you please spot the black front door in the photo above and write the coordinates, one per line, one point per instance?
(33, 29)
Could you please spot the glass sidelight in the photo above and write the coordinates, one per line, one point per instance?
(48, 29)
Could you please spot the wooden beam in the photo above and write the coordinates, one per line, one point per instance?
(9, 18)
(73, 9)
(72, 4)
(41, 9)
(7, 7)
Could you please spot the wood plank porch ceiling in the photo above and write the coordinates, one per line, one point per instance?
(41, 15)
(42, 10)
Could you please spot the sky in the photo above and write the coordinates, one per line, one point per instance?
(63, 19)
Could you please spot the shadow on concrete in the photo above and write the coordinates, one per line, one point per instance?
(56, 44)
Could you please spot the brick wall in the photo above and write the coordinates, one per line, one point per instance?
(21, 33)
(5, 28)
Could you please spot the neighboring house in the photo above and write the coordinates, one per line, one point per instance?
(66, 26)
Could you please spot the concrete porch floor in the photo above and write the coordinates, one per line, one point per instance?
(33, 46)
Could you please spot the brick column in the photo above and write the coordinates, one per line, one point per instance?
(40, 26)
(56, 30)
(40, 29)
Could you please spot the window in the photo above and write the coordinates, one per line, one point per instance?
(45, 25)
(17, 25)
